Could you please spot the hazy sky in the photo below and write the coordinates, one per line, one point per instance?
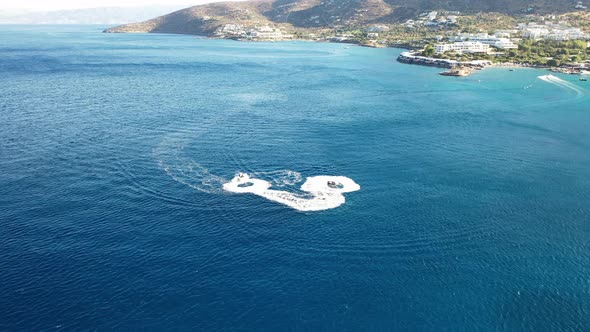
(74, 4)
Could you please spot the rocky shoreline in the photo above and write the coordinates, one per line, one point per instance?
(411, 58)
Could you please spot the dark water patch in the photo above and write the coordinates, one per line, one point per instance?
(536, 309)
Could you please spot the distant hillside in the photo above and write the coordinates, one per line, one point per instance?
(103, 15)
(205, 19)
(316, 13)
(500, 6)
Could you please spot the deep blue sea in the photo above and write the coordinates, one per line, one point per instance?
(473, 212)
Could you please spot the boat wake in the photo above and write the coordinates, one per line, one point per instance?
(323, 192)
(318, 192)
(280, 179)
(561, 83)
(172, 159)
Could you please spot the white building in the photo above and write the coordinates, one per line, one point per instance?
(535, 33)
(462, 47)
(265, 28)
(566, 34)
(554, 31)
(266, 32)
(232, 27)
(502, 43)
(431, 16)
(463, 37)
(505, 33)
(484, 38)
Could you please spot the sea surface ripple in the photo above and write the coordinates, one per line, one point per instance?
(472, 212)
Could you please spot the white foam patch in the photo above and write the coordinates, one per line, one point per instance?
(561, 83)
(281, 178)
(317, 195)
(325, 192)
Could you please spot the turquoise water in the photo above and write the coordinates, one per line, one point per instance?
(472, 214)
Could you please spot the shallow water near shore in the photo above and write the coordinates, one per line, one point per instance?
(472, 212)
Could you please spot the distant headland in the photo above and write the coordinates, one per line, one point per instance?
(524, 33)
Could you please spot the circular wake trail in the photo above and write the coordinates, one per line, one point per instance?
(319, 192)
(325, 192)
(172, 159)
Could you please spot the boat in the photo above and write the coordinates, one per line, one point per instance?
(583, 79)
(457, 71)
(335, 185)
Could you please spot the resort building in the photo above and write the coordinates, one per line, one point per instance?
(505, 33)
(553, 31)
(502, 43)
(462, 47)
(431, 16)
(534, 33)
(267, 33)
(484, 38)
(452, 19)
(567, 34)
(238, 31)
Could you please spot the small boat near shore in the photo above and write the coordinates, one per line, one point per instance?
(457, 71)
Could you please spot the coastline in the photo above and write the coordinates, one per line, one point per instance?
(517, 65)
(411, 58)
(406, 57)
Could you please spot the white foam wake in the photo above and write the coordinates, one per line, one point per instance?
(325, 192)
(279, 179)
(562, 83)
(172, 159)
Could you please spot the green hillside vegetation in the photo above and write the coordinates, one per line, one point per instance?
(578, 19)
(486, 22)
(551, 53)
